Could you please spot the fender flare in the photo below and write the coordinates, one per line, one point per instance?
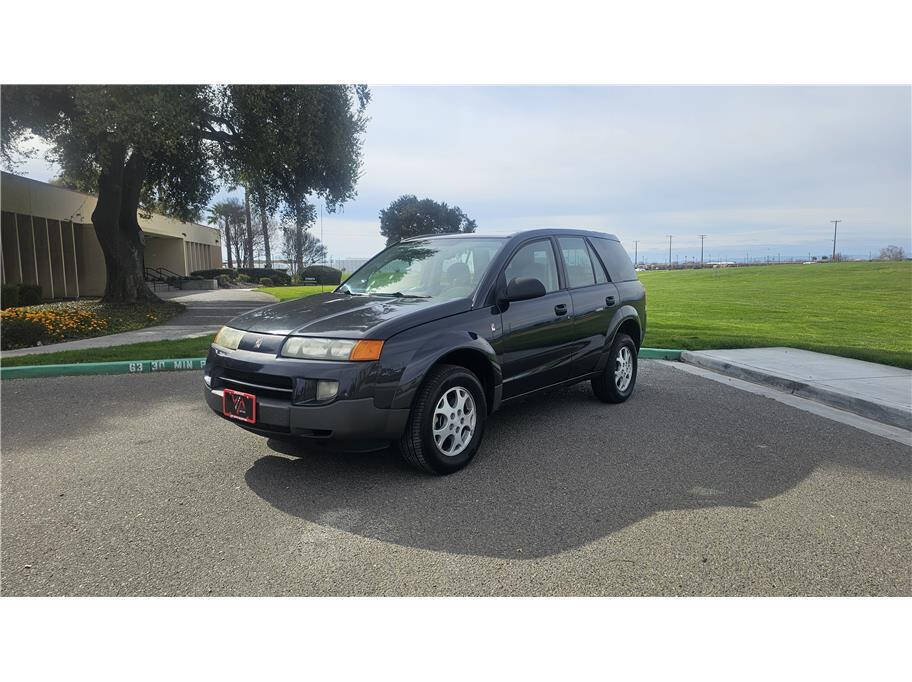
(432, 350)
(622, 315)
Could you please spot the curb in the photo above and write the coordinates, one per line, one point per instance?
(90, 368)
(183, 364)
(865, 407)
(659, 354)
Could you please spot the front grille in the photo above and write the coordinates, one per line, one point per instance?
(261, 385)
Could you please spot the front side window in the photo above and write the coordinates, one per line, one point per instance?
(580, 272)
(535, 259)
(426, 268)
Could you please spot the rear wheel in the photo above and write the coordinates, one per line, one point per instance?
(447, 421)
(616, 383)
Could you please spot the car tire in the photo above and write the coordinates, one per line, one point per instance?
(615, 384)
(447, 420)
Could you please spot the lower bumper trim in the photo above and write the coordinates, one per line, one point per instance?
(341, 420)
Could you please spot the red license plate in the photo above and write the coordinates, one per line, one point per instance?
(240, 406)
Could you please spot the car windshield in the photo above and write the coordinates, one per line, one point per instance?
(426, 268)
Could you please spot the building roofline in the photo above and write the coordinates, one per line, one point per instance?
(92, 196)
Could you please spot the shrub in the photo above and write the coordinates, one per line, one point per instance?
(9, 296)
(323, 274)
(253, 274)
(278, 276)
(265, 282)
(223, 280)
(21, 332)
(29, 294)
(214, 274)
(243, 278)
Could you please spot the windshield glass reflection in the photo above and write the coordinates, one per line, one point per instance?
(426, 268)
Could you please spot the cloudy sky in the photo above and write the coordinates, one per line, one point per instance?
(760, 170)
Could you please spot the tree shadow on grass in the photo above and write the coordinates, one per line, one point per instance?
(561, 470)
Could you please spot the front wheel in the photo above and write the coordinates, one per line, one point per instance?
(447, 421)
(615, 384)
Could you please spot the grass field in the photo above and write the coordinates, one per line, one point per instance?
(287, 293)
(858, 310)
(151, 350)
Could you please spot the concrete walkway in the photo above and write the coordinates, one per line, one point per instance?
(206, 312)
(213, 308)
(879, 392)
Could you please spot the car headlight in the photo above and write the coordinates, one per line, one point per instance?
(229, 338)
(312, 348)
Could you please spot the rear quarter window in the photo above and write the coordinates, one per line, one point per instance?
(615, 258)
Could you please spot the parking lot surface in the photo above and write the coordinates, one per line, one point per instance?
(129, 485)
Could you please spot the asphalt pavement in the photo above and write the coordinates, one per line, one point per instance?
(129, 485)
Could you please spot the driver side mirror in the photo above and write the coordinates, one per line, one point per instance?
(524, 288)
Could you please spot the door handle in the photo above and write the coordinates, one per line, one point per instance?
(609, 300)
(560, 309)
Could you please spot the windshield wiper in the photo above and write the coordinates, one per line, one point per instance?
(399, 294)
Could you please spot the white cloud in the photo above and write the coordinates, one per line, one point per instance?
(750, 166)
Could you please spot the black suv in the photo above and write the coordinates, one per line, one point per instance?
(428, 338)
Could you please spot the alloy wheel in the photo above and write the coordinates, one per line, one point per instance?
(454, 421)
(623, 371)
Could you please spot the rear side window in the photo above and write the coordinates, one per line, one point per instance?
(600, 277)
(535, 260)
(580, 272)
(615, 258)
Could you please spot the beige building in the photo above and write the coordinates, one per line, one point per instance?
(47, 238)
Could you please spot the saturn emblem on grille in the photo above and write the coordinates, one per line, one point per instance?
(259, 342)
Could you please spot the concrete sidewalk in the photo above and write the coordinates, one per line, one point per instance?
(213, 308)
(207, 311)
(879, 392)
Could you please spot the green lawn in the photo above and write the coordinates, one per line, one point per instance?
(858, 310)
(287, 293)
(151, 350)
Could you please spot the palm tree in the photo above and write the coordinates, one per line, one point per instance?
(228, 215)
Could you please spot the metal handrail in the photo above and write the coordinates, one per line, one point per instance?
(158, 275)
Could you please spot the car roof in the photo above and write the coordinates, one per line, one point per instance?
(535, 232)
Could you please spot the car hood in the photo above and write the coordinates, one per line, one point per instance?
(345, 316)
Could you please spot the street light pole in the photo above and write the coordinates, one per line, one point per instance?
(702, 237)
(669, 250)
(635, 245)
(835, 225)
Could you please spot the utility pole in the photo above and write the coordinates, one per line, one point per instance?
(835, 225)
(669, 250)
(702, 237)
(635, 246)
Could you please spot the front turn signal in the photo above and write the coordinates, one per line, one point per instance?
(366, 349)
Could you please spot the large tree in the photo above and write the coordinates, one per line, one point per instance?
(301, 146)
(164, 148)
(409, 216)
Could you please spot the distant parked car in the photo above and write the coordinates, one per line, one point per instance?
(428, 338)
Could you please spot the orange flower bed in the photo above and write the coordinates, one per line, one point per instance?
(59, 324)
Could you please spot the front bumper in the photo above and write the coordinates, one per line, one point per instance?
(342, 420)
